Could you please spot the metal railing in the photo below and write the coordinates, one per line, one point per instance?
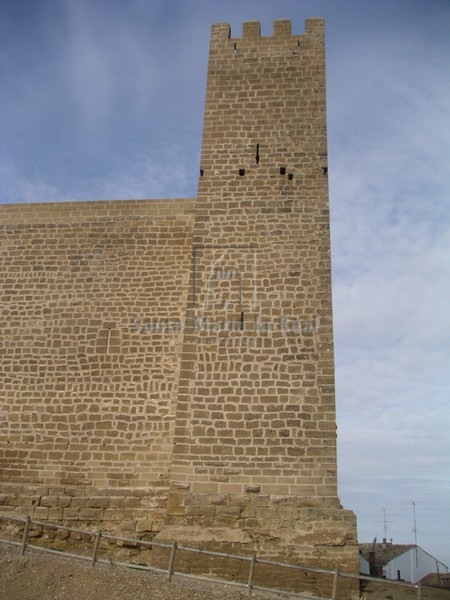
(99, 535)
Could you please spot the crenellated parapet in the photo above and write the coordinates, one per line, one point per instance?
(251, 34)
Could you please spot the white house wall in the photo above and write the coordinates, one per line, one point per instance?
(411, 569)
(364, 567)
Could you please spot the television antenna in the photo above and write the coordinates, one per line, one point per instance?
(385, 524)
(415, 524)
(415, 530)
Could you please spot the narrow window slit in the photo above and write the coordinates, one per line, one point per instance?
(241, 325)
(291, 176)
(257, 154)
(282, 170)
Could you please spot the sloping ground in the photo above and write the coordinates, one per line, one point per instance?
(372, 590)
(39, 576)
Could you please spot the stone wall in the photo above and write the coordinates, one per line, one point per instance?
(190, 342)
(89, 373)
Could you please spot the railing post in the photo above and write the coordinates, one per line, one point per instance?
(25, 536)
(96, 547)
(171, 561)
(251, 573)
(334, 595)
(419, 590)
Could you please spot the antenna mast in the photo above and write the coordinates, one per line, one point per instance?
(415, 531)
(415, 526)
(385, 525)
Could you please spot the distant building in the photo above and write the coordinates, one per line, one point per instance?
(407, 562)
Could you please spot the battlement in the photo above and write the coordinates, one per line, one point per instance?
(251, 32)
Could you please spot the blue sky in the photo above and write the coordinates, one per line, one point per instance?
(103, 99)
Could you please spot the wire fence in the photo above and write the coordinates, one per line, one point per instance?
(174, 550)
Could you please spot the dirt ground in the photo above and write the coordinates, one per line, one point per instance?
(384, 591)
(42, 576)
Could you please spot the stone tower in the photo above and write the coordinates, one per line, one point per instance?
(254, 455)
(168, 365)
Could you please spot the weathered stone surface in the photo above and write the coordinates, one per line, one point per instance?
(169, 364)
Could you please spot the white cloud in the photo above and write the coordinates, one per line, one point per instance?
(160, 174)
(14, 186)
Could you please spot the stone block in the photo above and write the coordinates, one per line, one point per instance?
(70, 514)
(64, 501)
(90, 514)
(98, 502)
(55, 514)
(143, 525)
(48, 501)
(128, 525)
(41, 513)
